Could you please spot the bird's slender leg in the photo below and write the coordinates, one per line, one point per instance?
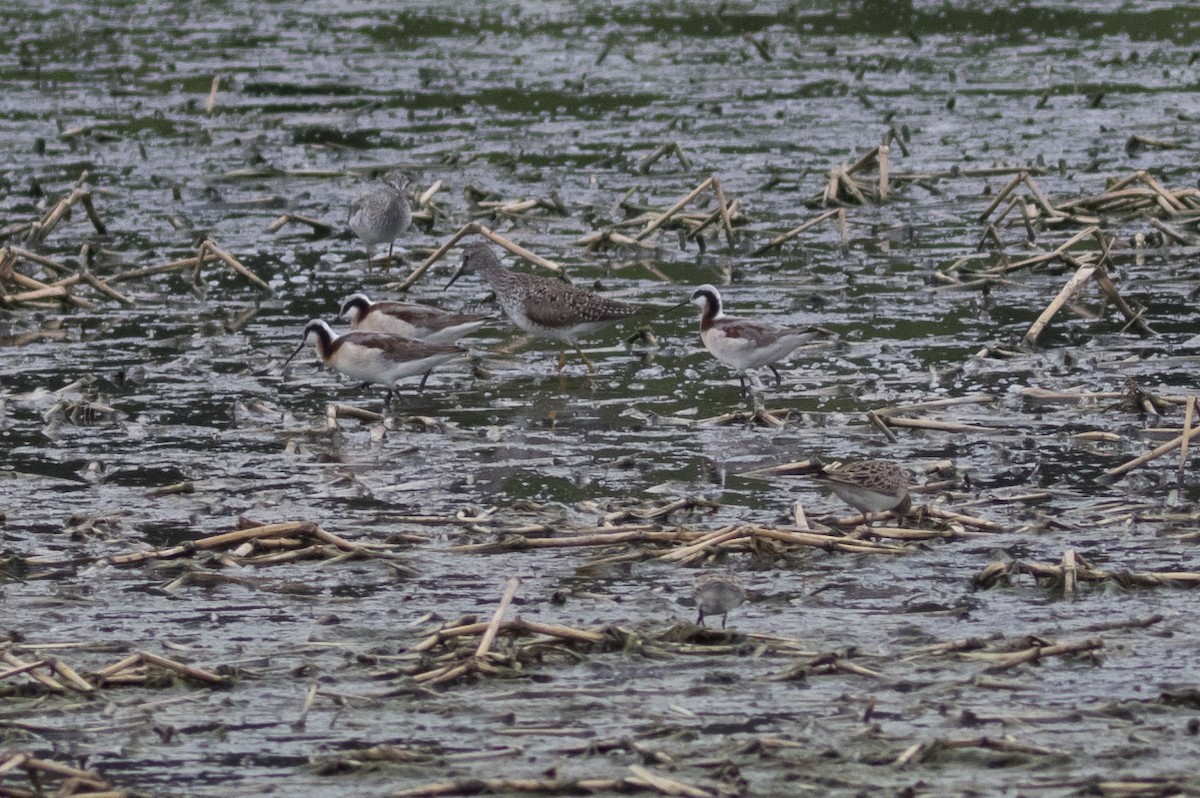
(724, 618)
(387, 400)
(387, 264)
(756, 394)
(562, 358)
(742, 385)
(424, 377)
(590, 366)
(700, 618)
(775, 371)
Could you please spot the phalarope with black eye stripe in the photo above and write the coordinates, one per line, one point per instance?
(746, 345)
(410, 320)
(376, 358)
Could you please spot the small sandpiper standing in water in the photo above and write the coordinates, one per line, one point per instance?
(381, 216)
(544, 307)
(410, 320)
(746, 345)
(376, 358)
(717, 594)
(870, 486)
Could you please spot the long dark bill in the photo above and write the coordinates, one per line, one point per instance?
(302, 343)
(462, 267)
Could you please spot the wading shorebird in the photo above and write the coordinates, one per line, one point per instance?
(746, 345)
(544, 307)
(870, 486)
(717, 594)
(409, 320)
(382, 215)
(375, 358)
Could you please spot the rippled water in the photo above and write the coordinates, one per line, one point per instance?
(525, 101)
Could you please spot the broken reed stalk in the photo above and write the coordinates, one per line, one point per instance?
(731, 211)
(664, 785)
(10, 256)
(305, 529)
(460, 665)
(1035, 653)
(336, 410)
(1175, 443)
(428, 194)
(518, 250)
(1174, 233)
(710, 540)
(18, 670)
(993, 573)
(183, 264)
(29, 670)
(1043, 395)
(319, 228)
(1018, 179)
(662, 511)
(664, 149)
(799, 519)
(517, 209)
(931, 404)
(198, 674)
(779, 240)
(982, 524)
(211, 104)
(211, 245)
(117, 672)
(639, 534)
(884, 153)
(106, 289)
(118, 666)
(1044, 257)
(11, 760)
(1081, 277)
(42, 228)
(490, 634)
(518, 625)
(603, 239)
(931, 424)
(1086, 270)
(723, 210)
(843, 186)
(920, 752)
(826, 542)
(1189, 411)
(666, 215)
(808, 466)
(1109, 287)
(464, 231)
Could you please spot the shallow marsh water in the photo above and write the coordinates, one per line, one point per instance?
(525, 100)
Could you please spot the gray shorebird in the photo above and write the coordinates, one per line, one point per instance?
(869, 486)
(717, 594)
(544, 307)
(746, 345)
(382, 215)
(375, 358)
(410, 320)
